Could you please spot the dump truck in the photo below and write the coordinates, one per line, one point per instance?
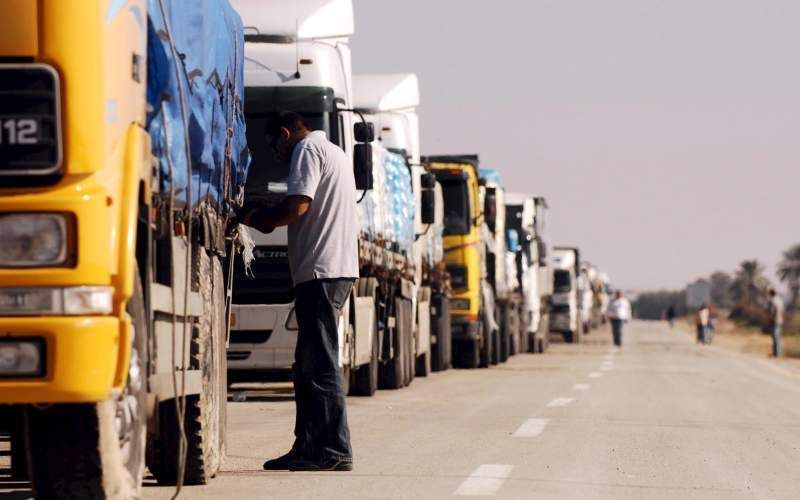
(532, 273)
(389, 102)
(122, 162)
(474, 329)
(565, 310)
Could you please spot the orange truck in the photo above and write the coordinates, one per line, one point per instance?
(122, 162)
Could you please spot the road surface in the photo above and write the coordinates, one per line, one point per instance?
(661, 418)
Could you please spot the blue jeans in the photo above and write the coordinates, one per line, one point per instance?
(321, 430)
(616, 330)
(776, 340)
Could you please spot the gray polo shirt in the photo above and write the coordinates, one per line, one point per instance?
(323, 243)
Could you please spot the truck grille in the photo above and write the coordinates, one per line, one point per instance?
(30, 142)
(271, 282)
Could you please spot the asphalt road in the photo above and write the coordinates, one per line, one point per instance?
(661, 418)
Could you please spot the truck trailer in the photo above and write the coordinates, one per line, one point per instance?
(389, 102)
(122, 163)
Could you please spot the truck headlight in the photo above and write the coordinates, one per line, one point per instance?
(72, 301)
(21, 358)
(33, 239)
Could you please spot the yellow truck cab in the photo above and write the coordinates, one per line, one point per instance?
(464, 254)
(113, 236)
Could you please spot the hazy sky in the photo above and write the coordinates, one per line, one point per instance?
(663, 133)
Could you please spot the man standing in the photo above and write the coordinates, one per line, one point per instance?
(619, 311)
(775, 321)
(320, 212)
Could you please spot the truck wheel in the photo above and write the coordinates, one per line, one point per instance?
(205, 412)
(496, 343)
(366, 377)
(392, 371)
(409, 343)
(487, 341)
(423, 368)
(95, 451)
(466, 353)
(440, 326)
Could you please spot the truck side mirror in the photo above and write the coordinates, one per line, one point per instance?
(490, 210)
(362, 166)
(364, 132)
(428, 206)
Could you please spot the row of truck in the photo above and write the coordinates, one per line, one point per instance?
(132, 133)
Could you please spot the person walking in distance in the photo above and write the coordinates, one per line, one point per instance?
(775, 321)
(320, 212)
(702, 319)
(671, 316)
(619, 312)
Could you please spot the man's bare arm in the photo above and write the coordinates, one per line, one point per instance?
(290, 209)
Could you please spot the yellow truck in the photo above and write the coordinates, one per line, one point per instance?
(122, 161)
(474, 331)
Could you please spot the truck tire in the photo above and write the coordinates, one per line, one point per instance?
(408, 375)
(440, 326)
(392, 370)
(466, 353)
(487, 341)
(366, 376)
(95, 451)
(423, 368)
(205, 412)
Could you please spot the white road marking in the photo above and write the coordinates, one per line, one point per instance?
(595, 375)
(532, 427)
(580, 387)
(486, 480)
(560, 402)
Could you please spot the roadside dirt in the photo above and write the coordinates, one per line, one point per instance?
(749, 340)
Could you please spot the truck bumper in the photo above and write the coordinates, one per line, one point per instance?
(80, 359)
(560, 323)
(259, 338)
(462, 328)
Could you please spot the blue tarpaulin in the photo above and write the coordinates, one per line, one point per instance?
(208, 38)
(490, 175)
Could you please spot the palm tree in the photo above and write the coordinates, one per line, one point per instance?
(749, 285)
(789, 273)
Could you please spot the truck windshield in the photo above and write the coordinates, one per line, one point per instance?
(263, 106)
(456, 207)
(562, 281)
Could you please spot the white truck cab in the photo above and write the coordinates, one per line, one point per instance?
(565, 311)
(297, 58)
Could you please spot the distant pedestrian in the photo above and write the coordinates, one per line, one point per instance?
(619, 312)
(775, 321)
(671, 316)
(702, 321)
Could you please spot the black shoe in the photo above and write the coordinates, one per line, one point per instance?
(283, 462)
(327, 464)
